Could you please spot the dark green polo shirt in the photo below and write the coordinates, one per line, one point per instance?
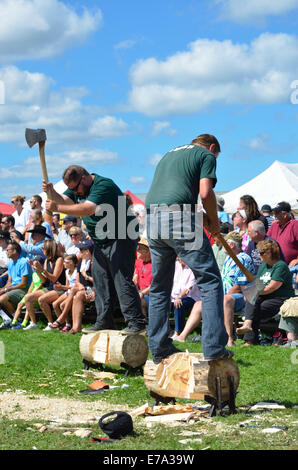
(109, 224)
(178, 174)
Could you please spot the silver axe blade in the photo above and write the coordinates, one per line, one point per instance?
(251, 291)
(34, 136)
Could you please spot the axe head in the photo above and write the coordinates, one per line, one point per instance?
(34, 136)
(251, 291)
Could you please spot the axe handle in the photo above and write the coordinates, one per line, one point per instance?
(250, 277)
(44, 168)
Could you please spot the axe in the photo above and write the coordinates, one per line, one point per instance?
(255, 285)
(34, 136)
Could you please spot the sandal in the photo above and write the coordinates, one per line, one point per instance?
(66, 329)
(57, 325)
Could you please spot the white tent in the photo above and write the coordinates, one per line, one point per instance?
(60, 187)
(278, 183)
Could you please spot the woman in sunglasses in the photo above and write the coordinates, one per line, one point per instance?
(278, 287)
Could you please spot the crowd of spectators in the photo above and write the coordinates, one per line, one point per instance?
(47, 265)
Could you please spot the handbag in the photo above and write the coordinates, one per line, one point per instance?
(289, 308)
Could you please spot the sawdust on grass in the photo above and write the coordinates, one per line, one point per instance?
(14, 405)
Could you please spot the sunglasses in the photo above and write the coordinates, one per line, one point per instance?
(75, 188)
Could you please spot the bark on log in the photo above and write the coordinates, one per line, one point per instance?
(113, 347)
(188, 375)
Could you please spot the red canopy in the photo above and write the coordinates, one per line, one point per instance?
(134, 198)
(6, 209)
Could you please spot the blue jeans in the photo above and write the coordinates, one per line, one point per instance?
(202, 263)
(179, 313)
(239, 301)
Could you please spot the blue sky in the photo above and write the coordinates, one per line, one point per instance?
(116, 84)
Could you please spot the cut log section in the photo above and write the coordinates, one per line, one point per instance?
(188, 375)
(113, 347)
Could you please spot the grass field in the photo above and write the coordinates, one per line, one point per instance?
(49, 365)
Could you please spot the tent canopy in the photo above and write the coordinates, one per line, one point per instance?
(6, 209)
(134, 198)
(277, 183)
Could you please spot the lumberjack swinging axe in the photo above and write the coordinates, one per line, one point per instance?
(34, 136)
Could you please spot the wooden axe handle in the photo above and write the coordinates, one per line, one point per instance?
(44, 168)
(250, 277)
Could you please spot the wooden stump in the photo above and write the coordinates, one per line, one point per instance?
(113, 347)
(188, 375)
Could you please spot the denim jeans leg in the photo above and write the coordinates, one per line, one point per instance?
(163, 268)
(203, 264)
(180, 312)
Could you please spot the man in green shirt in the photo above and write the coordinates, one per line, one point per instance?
(181, 175)
(104, 210)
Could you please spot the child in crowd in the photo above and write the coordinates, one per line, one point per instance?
(63, 304)
(143, 274)
(37, 284)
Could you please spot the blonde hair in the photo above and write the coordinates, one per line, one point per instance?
(19, 198)
(235, 237)
(51, 250)
(75, 230)
(271, 246)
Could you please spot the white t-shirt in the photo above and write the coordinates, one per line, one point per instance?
(21, 220)
(4, 260)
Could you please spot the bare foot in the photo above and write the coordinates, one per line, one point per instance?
(230, 343)
(243, 330)
(180, 340)
(248, 343)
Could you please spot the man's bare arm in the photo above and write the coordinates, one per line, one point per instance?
(209, 203)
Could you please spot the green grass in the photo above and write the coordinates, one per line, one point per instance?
(34, 359)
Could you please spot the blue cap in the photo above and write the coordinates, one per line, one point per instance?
(86, 245)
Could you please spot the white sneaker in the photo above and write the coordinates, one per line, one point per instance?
(49, 328)
(32, 326)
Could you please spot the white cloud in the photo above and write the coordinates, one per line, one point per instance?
(109, 126)
(128, 44)
(254, 10)
(262, 143)
(31, 102)
(34, 29)
(162, 126)
(216, 72)
(155, 159)
(56, 164)
(137, 179)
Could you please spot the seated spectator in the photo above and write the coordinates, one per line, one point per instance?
(143, 274)
(241, 226)
(257, 233)
(37, 284)
(221, 213)
(50, 272)
(141, 216)
(184, 294)
(83, 292)
(277, 279)
(285, 232)
(21, 214)
(19, 280)
(36, 202)
(266, 211)
(56, 225)
(7, 223)
(37, 219)
(63, 304)
(194, 319)
(290, 325)
(76, 235)
(4, 260)
(64, 239)
(250, 206)
(233, 278)
(217, 248)
(36, 247)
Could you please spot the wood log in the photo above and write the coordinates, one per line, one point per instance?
(113, 347)
(188, 375)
